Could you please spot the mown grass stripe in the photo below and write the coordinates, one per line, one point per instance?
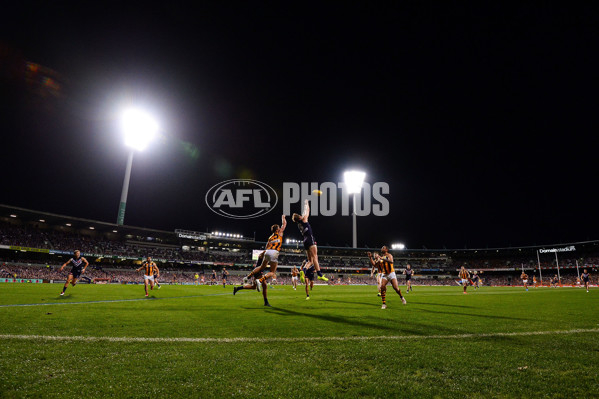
(109, 300)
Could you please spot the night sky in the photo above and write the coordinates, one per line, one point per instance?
(482, 120)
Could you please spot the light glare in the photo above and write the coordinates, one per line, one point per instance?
(353, 181)
(139, 128)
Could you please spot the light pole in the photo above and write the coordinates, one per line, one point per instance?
(353, 183)
(139, 129)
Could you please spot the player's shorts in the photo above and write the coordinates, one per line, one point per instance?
(271, 255)
(309, 273)
(75, 272)
(525, 281)
(464, 281)
(293, 278)
(308, 242)
(155, 277)
(408, 278)
(389, 276)
(585, 280)
(150, 278)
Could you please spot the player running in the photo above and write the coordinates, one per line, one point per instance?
(385, 266)
(196, 279)
(534, 281)
(256, 274)
(77, 270)
(213, 278)
(224, 277)
(294, 277)
(524, 278)
(156, 277)
(464, 276)
(554, 281)
(308, 278)
(475, 280)
(586, 278)
(375, 272)
(309, 241)
(408, 272)
(150, 270)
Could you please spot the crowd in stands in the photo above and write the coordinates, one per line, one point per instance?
(240, 260)
(175, 276)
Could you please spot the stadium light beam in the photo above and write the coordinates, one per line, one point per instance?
(139, 129)
(353, 182)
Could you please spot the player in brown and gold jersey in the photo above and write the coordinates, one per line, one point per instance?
(384, 264)
(524, 278)
(294, 277)
(150, 270)
(464, 276)
(271, 254)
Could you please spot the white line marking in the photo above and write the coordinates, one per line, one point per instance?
(292, 339)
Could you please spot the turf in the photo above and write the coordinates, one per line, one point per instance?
(341, 344)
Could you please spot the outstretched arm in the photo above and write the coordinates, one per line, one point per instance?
(370, 259)
(306, 211)
(283, 223)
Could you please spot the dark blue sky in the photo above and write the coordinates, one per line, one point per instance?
(482, 120)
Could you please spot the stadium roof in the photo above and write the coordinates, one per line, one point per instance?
(52, 219)
(31, 216)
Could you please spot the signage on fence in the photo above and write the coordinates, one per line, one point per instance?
(553, 250)
(21, 280)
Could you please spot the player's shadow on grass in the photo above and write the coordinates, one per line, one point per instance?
(441, 304)
(475, 315)
(334, 319)
(376, 305)
(421, 329)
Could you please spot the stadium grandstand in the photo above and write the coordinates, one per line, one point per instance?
(33, 246)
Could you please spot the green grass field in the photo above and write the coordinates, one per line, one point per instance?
(494, 342)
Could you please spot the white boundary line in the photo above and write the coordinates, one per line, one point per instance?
(292, 339)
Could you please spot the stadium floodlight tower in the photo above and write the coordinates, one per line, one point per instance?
(353, 183)
(139, 129)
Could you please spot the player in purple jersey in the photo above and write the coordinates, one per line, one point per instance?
(309, 241)
(79, 264)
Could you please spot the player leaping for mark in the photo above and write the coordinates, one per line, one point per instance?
(257, 274)
(385, 267)
(76, 271)
(271, 254)
(309, 241)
